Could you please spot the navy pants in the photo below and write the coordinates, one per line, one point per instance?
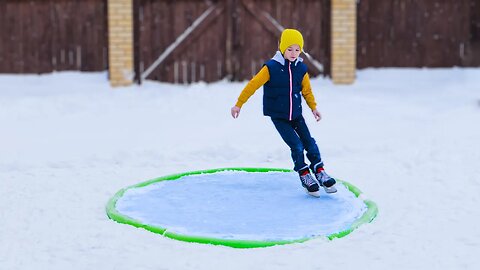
(296, 135)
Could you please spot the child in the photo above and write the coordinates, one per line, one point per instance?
(284, 78)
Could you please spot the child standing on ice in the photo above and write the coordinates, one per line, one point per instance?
(284, 79)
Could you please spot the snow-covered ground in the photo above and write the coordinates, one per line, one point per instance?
(408, 138)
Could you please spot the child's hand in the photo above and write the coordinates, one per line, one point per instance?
(317, 115)
(235, 111)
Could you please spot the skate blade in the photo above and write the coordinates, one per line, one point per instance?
(331, 189)
(315, 194)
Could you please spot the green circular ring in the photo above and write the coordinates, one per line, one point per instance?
(113, 214)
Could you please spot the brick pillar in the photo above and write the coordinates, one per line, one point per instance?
(120, 42)
(344, 41)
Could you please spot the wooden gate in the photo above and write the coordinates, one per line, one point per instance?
(190, 40)
(411, 33)
(43, 36)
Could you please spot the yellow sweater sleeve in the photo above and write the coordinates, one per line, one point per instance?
(258, 80)
(307, 92)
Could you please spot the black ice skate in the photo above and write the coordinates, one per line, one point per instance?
(327, 182)
(308, 182)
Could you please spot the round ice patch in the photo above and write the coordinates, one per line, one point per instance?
(240, 207)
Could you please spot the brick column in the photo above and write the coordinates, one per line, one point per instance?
(120, 42)
(344, 41)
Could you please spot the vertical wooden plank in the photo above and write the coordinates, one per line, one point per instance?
(159, 35)
(84, 38)
(474, 22)
(168, 37)
(23, 48)
(242, 24)
(46, 38)
(229, 17)
(53, 36)
(43, 39)
(434, 37)
(201, 51)
(35, 33)
(207, 56)
(25, 54)
(326, 37)
(192, 63)
(104, 33)
(415, 54)
(99, 37)
(221, 26)
(187, 55)
(144, 32)
(362, 36)
(236, 33)
(400, 33)
(11, 32)
(59, 10)
(472, 45)
(464, 30)
(20, 53)
(2, 37)
(72, 34)
(17, 38)
(55, 45)
(75, 32)
(8, 64)
(155, 37)
(68, 32)
(136, 43)
(252, 30)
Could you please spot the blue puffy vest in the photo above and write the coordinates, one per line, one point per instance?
(279, 101)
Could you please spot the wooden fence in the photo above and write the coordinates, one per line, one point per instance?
(225, 38)
(47, 35)
(413, 33)
(211, 40)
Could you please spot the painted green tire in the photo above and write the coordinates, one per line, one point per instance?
(113, 214)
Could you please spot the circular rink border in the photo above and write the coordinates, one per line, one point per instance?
(115, 215)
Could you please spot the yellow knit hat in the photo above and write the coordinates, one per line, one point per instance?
(290, 37)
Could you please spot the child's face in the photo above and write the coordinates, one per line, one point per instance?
(292, 52)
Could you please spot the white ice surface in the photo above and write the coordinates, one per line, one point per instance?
(243, 206)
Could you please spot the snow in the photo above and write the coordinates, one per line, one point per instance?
(267, 206)
(408, 138)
